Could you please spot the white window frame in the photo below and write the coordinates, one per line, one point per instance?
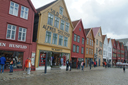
(56, 23)
(47, 40)
(11, 29)
(78, 38)
(62, 24)
(25, 16)
(77, 49)
(14, 11)
(61, 10)
(82, 40)
(67, 27)
(22, 31)
(61, 38)
(53, 39)
(65, 41)
(82, 50)
(50, 16)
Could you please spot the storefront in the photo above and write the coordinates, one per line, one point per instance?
(75, 61)
(19, 52)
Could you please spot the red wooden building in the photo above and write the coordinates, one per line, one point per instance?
(118, 52)
(125, 53)
(121, 52)
(114, 52)
(16, 32)
(78, 43)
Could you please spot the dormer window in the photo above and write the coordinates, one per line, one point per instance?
(99, 34)
(79, 29)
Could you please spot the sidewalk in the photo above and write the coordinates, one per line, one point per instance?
(22, 74)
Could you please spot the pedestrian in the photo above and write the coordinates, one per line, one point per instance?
(11, 66)
(78, 65)
(28, 65)
(67, 64)
(2, 63)
(105, 64)
(124, 66)
(94, 64)
(70, 64)
(82, 64)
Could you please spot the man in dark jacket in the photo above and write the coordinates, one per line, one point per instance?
(67, 64)
(2, 63)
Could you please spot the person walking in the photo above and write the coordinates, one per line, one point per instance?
(94, 64)
(70, 65)
(67, 64)
(82, 65)
(11, 66)
(78, 65)
(2, 63)
(124, 66)
(28, 65)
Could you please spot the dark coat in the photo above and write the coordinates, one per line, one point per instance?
(2, 60)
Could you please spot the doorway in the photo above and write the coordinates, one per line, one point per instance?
(74, 62)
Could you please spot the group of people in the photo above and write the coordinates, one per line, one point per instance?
(69, 65)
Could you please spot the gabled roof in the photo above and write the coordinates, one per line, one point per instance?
(112, 41)
(86, 31)
(75, 23)
(44, 7)
(32, 6)
(95, 30)
(108, 40)
(103, 37)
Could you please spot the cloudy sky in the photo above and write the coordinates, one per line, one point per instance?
(111, 15)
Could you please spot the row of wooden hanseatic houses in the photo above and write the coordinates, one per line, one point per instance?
(49, 32)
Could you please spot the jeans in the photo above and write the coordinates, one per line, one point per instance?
(78, 67)
(82, 67)
(2, 66)
(28, 70)
(11, 68)
(67, 67)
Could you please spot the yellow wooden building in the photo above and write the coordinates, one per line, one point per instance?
(53, 34)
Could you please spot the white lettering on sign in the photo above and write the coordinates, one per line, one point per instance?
(2, 44)
(17, 46)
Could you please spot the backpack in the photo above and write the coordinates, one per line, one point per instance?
(83, 64)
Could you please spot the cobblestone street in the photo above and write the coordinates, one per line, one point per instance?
(96, 76)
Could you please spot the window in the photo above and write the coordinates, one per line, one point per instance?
(78, 38)
(61, 10)
(77, 49)
(74, 37)
(22, 34)
(82, 50)
(60, 40)
(90, 41)
(56, 24)
(86, 50)
(50, 19)
(74, 48)
(100, 44)
(62, 25)
(13, 9)
(67, 27)
(99, 34)
(96, 50)
(11, 32)
(89, 51)
(54, 40)
(87, 40)
(24, 12)
(79, 29)
(65, 41)
(48, 37)
(82, 40)
(92, 52)
(96, 41)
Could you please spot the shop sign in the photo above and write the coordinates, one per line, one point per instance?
(54, 49)
(13, 45)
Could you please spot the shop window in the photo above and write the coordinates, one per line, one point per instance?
(78, 38)
(48, 37)
(54, 40)
(22, 34)
(74, 48)
(74, 37)
(82, 40)
(77, 49)
(56, 24)
(67, 27)
(62, 25)
(14, 7)
(61, 10)
(50, 19)
(82, 50)
(60, 40)
(11, 32)
(24, 12)
(65, 41)
(17, 58)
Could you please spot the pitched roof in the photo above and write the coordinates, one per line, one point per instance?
(108, 40)
(95, 30)
(87, 30)
(103, 37)
(32, 6)
(75, 23)
(45, 6)
(112, 41)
